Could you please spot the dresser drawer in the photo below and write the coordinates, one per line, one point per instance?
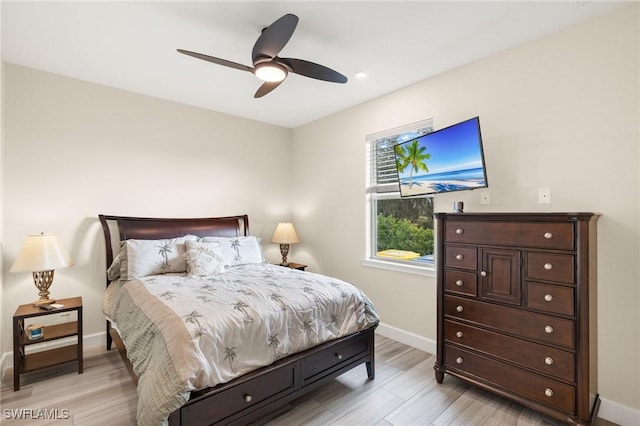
(461, 282)
(274, 383)
(550, 298)
(544, 359)
(508, 377)
(530, 325)
(550, 235)
(464, 257)
(550, 267)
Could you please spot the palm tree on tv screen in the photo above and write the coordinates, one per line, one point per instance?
(412, 155)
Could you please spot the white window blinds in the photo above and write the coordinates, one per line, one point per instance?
(383, 177)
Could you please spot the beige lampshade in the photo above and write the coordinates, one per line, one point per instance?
(285, 234)
(41, 252)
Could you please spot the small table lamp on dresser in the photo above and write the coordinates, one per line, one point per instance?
(284, 235)
(41, 254)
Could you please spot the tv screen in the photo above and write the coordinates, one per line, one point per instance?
(449, 159)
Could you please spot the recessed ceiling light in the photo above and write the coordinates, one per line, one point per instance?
(361, 74)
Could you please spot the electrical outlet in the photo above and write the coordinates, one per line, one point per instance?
(485, 198)
(544, 196)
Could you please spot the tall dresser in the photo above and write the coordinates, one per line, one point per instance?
(517, 308)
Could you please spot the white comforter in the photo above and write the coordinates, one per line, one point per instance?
(184, 333)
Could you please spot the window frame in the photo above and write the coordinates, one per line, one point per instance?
(375, 191)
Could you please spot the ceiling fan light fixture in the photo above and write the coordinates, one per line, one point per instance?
(271, 72)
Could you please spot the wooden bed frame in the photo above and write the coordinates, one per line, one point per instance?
(263, 393)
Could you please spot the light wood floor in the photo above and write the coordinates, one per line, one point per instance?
(403, 393)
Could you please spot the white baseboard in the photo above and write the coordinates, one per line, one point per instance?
(618, 413)
(609, 410)
(407, 338)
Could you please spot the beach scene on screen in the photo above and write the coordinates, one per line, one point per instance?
(442, 161)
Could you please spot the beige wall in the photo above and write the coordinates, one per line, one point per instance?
(561, 113)
(73, 150)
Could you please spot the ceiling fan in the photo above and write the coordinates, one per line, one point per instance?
(268, 66)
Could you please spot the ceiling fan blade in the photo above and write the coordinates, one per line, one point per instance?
(313, 70)
(267, 87)
(218, 61)
(274, 37)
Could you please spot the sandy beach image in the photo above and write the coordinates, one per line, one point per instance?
(426, 187)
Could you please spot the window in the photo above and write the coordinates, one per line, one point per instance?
(399, 230)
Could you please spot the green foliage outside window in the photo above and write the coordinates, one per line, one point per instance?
(405, 224)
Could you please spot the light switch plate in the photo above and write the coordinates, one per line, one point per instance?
(485, 198)
(544, 196)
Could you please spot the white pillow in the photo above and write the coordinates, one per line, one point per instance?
(203, 258)
(239, 250)
(151, 257)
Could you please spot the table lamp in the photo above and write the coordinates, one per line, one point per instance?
(285, 234)
(41, 254)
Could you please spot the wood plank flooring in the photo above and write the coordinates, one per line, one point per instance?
(404, 392)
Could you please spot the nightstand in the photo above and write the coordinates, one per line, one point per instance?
(23, 363)
(292, 265)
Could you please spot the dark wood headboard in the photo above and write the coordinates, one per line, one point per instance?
(120, 228)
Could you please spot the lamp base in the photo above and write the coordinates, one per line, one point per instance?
(284, 251)
(41, 302)
(43, 280)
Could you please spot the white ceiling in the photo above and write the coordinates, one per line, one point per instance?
(132, 46)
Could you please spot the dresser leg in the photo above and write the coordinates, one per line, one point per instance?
(439, 373)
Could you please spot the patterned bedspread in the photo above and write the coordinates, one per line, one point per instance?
(187, 333)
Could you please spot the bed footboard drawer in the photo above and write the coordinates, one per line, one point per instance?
(332, 358)
(256, 392)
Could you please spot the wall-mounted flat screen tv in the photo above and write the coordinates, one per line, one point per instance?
(446, 160)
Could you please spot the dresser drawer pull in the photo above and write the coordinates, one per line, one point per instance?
(339, 356)
(459, 308)
(459, 231)
(459, 334)
(548, 266)
(548, 392)
(548, 235)
(483, 273)
(459, 257)
(548, 360)
(459, 283)
(459, 360)
(548, 329)
(548, 297)
(248, 398)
